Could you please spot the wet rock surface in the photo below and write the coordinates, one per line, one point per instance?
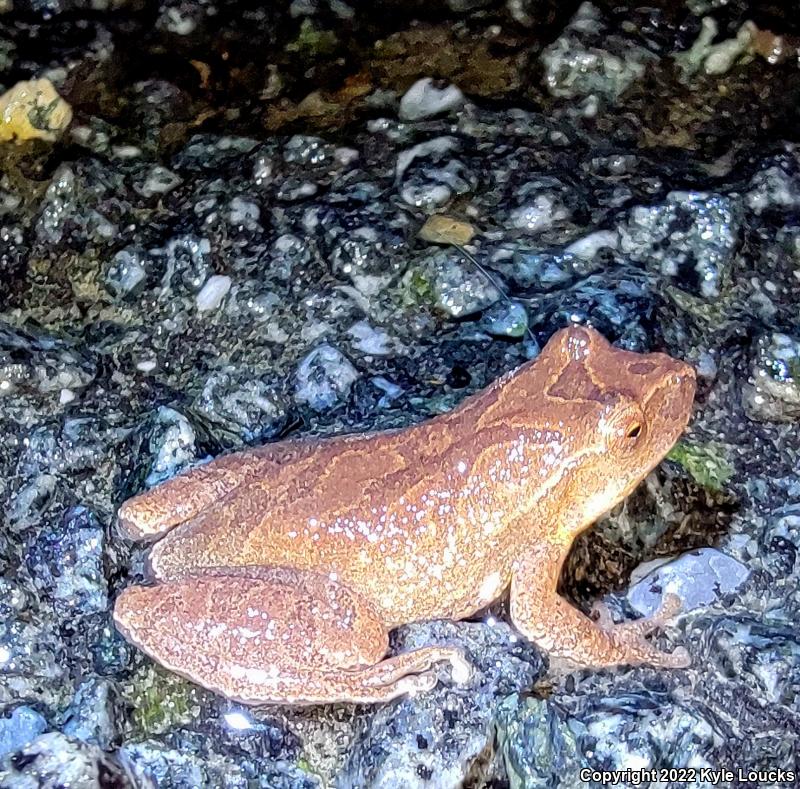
(223, 248)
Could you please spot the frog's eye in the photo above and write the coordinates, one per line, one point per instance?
(634, 430)
(624, 425)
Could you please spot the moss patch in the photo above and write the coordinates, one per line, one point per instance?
(707, 463)
(160, 701)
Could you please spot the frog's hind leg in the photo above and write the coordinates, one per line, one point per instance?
(154, 512)
(275, 635)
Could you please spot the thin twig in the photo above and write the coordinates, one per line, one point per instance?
(500, 289)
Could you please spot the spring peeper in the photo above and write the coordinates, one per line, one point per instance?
(282, 569)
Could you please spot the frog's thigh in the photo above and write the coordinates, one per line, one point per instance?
(274, 635)
(156, 511)
(548, 620)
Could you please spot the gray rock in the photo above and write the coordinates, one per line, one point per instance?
(429, 175)
(19, 728)
(188, 263)
(295, 189)
(425, 99)
(66, 562)
(541, 204)
(158, 180)
(127, 272)
(171, 443)
(94, 714)
(306, 149)
(210, 152)
(505, 319)
(53, 761)
(585, 61)
(774, 391)
(692, 238)
(371, 340)
(32, 664)
(639, 729)
(367, 255)
(213, 293)
(536, 745)
(324, 378)
(776, 185)
(542, 271)
(699, 578)
(458, 287)
(237, 407)
(434, 738)
(781, 538)
(615, 303)
(36, 362)
(71, 208)
(158, 764)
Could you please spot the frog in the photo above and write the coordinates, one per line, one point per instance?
(276, 574)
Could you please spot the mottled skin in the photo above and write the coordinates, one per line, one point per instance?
(285, 567)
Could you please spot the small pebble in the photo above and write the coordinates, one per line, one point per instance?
(213, 292)
(424, 100)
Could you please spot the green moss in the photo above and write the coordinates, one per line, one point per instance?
(313, 42)
(39, 115)
(160, 701)
(794, 371)
(417, 288)
(707, 463)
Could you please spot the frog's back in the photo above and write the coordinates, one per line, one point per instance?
(401, 511)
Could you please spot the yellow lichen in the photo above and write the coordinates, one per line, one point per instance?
(33, 110)
(440, 229)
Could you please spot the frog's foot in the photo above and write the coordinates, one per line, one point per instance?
(631, 648)
(630, 636)
(407, 673)
(419, 662)
(276, 636)
(670, 607)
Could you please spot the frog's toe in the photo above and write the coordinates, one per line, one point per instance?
(678, 658)
(670, 607)
(460, 667)
(602, 615)
(638, 651)
(414, 684)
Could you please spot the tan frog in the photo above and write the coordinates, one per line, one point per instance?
(284, 568)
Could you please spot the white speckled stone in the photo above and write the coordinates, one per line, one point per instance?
(423, 99)
(213, 292)
(699, 578)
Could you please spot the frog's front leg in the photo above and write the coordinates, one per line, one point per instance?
(275, 635)
(548, 620)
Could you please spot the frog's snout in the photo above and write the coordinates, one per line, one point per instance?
(669, 406)
(679, 398)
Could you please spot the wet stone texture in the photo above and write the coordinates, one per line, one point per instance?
(223, 249)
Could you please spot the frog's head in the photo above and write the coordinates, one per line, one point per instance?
(624, 410)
